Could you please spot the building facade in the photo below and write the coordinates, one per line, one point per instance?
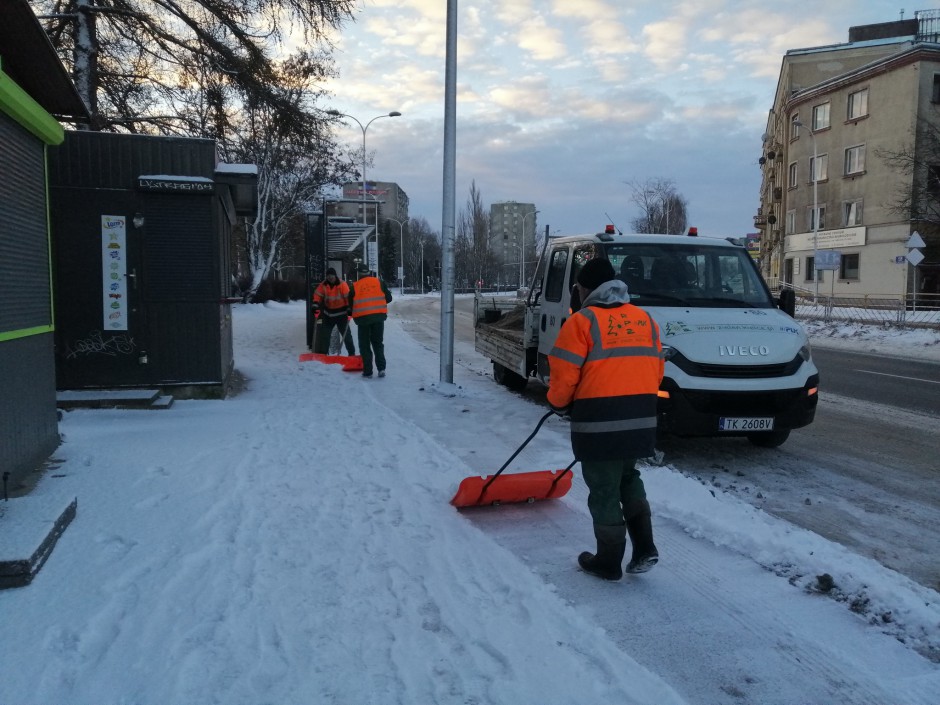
(383, 197)
(830, 184)
(512, 240)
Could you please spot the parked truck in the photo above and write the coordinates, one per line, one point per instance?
(736, 362)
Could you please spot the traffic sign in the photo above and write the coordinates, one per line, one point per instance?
(915, 257)
(915, 240)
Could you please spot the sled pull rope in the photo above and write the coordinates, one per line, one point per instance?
(518, 450)
(561, 475)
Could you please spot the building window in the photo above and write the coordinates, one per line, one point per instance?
(858, 104)
(935, 96)
(821, 116)
(794, 128)
(790, 226)
(791, 176)
(822, 217)
(855, 160)
(819, 167)
(811, 269)
(848, 266)
(852, 213)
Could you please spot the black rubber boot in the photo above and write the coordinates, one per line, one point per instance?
(611, 545)
(640, 528)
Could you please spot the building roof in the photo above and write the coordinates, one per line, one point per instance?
(28, 57)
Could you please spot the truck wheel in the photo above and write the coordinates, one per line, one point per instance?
(508, 378)
(772, 439)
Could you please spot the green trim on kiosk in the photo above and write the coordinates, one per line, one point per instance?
(17, 103)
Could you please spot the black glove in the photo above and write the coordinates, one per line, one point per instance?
(563, 412)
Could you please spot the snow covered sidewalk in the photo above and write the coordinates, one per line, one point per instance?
(294, 544)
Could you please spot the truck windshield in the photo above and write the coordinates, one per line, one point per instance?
(689, 275)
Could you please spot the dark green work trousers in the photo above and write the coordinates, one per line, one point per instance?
(371, 334)
(325, 332)
(614, 486)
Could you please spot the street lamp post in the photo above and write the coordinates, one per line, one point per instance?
(815, 171)
(401, 254)
(365, 220)
(522, 250)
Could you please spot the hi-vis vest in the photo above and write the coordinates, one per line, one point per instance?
(607, 365)
(369, 298)
(334, 300)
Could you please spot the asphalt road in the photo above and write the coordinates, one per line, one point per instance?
(907, 384)
(865, 474)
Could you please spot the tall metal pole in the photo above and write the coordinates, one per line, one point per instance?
(448, 219)
(401, 253)
(365, 217)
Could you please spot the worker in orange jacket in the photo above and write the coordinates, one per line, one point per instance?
(331, 299)
(369, 298)
(606, 368)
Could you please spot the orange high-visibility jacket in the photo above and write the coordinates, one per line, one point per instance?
(333, 300)
(607, 365)
(369, 298)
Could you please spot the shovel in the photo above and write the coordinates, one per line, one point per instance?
(519, 487)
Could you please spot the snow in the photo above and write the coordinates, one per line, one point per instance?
(294, 544)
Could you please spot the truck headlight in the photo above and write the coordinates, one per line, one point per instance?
(806, 353)
(668, 352)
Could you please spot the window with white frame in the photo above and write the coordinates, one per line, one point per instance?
(819, 167)
(812, 214)
(791, 176)
(855, 159)
(821, 116)
(852, 212)
(790, 223)
(858, 104)
(794, 128)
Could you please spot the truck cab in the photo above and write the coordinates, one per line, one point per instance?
(735, 363)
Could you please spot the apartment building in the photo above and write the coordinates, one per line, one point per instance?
(512, 240)
(383, 197)
(829, 184)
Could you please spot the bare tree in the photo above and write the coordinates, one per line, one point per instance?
(472, 257)
(662, 209)
(134, 60)
(917, 197)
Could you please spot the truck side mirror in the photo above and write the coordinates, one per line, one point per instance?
(787, 302)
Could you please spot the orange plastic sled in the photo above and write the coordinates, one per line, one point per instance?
(350, 363)
(528, 487)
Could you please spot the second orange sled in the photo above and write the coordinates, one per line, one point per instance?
(519, 487)
(350, 363)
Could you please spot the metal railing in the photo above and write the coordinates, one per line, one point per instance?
(920, 310)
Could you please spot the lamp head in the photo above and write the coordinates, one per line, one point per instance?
(394, 113)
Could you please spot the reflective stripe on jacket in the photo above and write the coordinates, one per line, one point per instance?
(607, 366)
(369, 298)
(332, 299)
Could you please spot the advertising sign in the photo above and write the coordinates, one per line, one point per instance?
(828, 259)
(113, 271)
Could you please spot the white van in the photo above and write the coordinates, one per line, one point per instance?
(737, 363)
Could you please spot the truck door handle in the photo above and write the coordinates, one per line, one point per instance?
(133, 277)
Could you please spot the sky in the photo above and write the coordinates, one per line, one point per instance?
(294, 543)
(563, 103)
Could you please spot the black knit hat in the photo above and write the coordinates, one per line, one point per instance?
(331, 271)
(596, 272)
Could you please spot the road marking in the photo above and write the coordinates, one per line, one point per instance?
(885, 374)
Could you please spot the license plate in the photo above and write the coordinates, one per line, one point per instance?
(745, 423)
